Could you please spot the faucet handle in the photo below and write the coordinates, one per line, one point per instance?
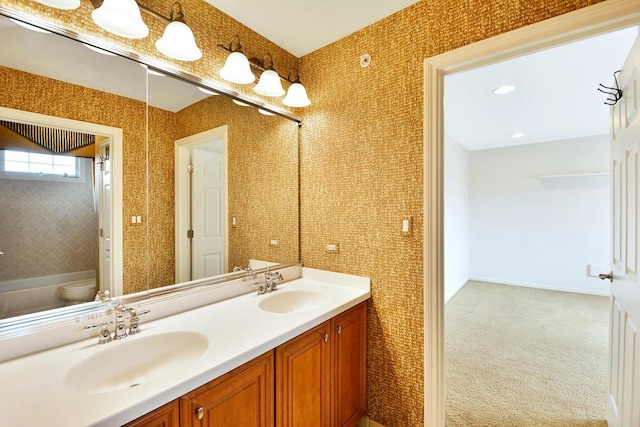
(104, 336)
(262, 287)
(102, 296)
(134, 322)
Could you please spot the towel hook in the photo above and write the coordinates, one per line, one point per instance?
(615, 93)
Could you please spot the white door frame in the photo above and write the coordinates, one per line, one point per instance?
(183, 201)
(600, 18)
(115, 157)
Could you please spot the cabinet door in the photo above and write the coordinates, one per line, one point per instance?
(349, 366)
(240, 398)
(303, 381)
(165, 416)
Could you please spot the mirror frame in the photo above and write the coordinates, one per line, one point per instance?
(20, 325)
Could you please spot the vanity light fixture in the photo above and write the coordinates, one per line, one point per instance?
(297, 94)
(61, 4)
(178, 42)
(122, 18)
(269, 83)
(503, 90)
(236, 68)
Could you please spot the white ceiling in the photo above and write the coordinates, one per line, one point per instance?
(302, 26)
(555, 96)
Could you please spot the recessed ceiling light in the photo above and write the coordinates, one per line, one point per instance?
(30, 27)
(240, 103)
(97, 49)
(517, 135)
(502, 90)
(207, 91)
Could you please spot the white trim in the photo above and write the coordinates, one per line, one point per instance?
(182, 201)
(589, 21)
(604, 293)
(115, 134)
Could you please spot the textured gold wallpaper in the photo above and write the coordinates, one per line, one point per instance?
(262, 180)
(362, 161)
(362, 172)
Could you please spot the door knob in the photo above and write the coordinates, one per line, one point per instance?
(609, 276)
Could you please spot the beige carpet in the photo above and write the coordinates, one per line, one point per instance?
(525, 357)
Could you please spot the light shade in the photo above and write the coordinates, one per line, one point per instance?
(237, 70)
(178, 42)
(61, 4)
(269, 84)
(296, 96)
(122, 18)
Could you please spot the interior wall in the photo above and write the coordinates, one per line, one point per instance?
(456, 217)
(362, 172)
(542, 232)
(52, 227)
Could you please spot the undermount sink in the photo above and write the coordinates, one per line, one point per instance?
(293, 301)
(134, 361)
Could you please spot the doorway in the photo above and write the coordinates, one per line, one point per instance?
(590, 21)
(201, 205)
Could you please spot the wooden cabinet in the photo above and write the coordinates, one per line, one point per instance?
(349, 366)
(316, 379)
(240, 398)
(165, 416)
(321, 375)
(303, 380)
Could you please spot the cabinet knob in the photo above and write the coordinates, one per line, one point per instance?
(325, 337)
(200, 413)
(339, 330)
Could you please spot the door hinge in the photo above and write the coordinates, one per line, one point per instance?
(189, 234)
(101, 232)
(190, 168)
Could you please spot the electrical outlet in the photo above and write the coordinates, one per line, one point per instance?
(274, 243)
(332, 247)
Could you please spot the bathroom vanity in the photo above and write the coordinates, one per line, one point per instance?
(295, 356)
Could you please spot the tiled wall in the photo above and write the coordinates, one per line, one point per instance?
(362, 172)
(48, 227)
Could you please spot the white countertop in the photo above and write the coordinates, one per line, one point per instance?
(33, 390)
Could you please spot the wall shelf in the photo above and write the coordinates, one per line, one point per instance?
(576, 181)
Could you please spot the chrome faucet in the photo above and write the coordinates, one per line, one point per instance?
(120, 330)
(271, 279)
(246, 269)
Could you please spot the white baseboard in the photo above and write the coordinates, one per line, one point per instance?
(604, 293)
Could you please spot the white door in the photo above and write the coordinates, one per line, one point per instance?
(103, 181)
(623, 406)
(207, 214)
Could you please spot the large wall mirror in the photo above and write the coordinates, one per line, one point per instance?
(168, 182)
